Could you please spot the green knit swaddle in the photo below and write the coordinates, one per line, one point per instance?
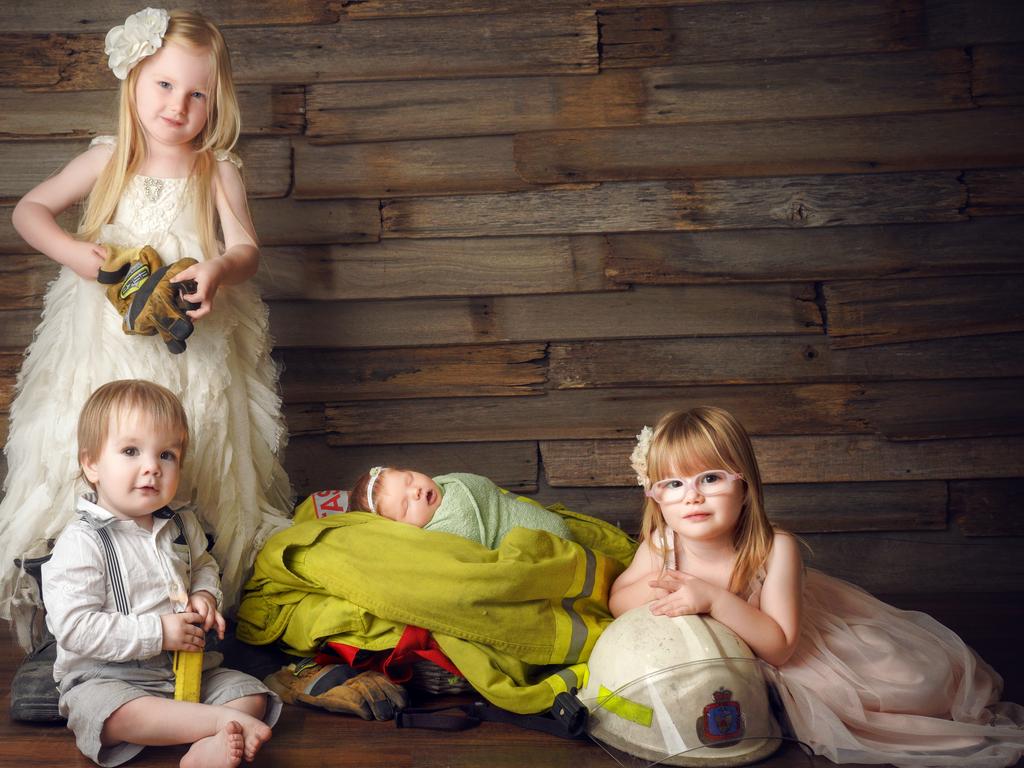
(475, 508)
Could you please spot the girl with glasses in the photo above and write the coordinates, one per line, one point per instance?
(864, 681)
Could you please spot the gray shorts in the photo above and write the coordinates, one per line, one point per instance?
(89, 700)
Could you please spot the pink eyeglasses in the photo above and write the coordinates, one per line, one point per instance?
(713, 482)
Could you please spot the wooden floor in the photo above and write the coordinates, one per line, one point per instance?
(305, 738)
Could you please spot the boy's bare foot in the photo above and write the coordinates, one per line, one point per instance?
(255, 732)
(222, 750)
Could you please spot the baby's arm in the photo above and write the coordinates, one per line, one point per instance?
(773, 630)
(632, 587)
(241, 255)
(35, 215)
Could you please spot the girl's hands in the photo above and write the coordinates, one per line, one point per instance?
(181, 632)
(207, 276)
(83, 258)
(205, 604)
(686, 595)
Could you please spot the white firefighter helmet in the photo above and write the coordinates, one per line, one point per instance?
(681, 690)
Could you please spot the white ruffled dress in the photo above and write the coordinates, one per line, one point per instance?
(226, 379)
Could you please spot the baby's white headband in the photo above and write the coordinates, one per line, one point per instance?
(375, 472)
(140, 36)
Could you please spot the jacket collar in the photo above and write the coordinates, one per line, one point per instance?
(97, 517)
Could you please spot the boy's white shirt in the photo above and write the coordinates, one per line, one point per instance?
(80, 606)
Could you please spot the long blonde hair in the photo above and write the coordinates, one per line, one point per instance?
(223, 125)
(711, 438)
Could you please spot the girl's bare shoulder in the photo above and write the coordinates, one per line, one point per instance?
(785, 551)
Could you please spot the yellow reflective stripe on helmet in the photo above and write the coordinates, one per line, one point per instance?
(624, 708)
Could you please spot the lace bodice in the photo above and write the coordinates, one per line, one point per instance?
(150, 204)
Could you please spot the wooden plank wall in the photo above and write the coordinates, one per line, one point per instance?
(501, 236)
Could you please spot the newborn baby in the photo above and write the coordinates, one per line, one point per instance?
(461, 503)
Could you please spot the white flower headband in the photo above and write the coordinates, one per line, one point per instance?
(140, 36)
(375, 472)
(639, 456)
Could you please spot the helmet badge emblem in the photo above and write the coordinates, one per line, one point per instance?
(722, 721)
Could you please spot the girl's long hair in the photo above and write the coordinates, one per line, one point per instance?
(223, 125)
(711, 438)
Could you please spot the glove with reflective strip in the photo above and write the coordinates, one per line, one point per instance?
(140, 288)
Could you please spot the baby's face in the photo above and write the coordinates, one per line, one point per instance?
(406, 496)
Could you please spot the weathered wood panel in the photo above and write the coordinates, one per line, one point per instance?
(802, 201)
(913, 410)
(807, 459)
(392, 168)
(18, 325)
(501, 44)
(313, 465)
(682, 362)
(913, 81)
(267, 109)
(995, 192)
(375, 9)
(645, 37)
(882, 144)
(286, 221)
(652, 312)
(460, 267)
(61, 16)
(997, 74)
(465, 371)
(955, 22)
(53, 61)
(904, 251)
(988, 507)
(823, 507)
(267, 165)
(920, 410)
(864, 312)
(23, 280)
(394, 269)
(10, 364)
(925, 561)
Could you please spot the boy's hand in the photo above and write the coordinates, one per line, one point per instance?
(205, 604)
(181, 632)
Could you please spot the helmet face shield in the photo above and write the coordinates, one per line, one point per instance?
(712, 712)
(681, 690)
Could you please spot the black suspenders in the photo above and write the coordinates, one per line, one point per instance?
(114, 571)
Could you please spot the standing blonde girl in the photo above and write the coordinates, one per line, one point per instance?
(168, 180)
(864, 681)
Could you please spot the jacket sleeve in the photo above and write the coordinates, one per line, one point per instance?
(205, 570)
(75, 592)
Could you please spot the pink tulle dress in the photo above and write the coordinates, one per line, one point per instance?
(870, 683)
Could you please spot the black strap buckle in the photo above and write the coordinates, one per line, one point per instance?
(566, 719)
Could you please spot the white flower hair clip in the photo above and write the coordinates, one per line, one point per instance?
(140, 36)
(375, 472)
(639, 456)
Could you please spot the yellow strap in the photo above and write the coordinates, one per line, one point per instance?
(624, 708)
